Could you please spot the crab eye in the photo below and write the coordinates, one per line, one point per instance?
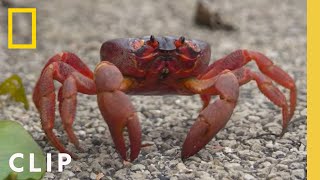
(184, 45)
(180, 42)
(153, 42)
(186, 49)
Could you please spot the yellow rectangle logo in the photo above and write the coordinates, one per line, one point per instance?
(33, 44)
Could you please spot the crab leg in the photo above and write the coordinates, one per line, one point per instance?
(73, 81)
(116, 109)
(266, 86)
(72, 60)
(239, 58)
(236, 60)
(214, 116)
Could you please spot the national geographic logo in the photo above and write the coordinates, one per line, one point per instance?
(33, 44)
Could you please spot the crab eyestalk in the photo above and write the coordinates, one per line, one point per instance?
(178, 43)
(152, 39)
(182, 39)
(152, 42)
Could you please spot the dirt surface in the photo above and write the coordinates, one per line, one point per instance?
(245, 149)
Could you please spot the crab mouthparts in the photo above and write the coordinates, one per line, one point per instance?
(166, 61)
(166, 58)
(164, 73)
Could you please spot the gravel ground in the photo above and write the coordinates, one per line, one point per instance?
(239, 151)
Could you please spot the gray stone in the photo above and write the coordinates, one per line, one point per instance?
(248, 177)
(137, 167)
(93, 175)
(121, 174)
(49, 175)
(298, 174)
(233, 166)
(69, 173)
(83, 175)
(101, 129)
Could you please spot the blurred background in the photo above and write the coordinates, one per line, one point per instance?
(275, 28)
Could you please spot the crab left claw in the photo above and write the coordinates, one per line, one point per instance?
(117, 110)
(214, 116)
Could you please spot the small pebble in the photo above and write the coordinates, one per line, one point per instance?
(298, 173)
(137, 167)
(82, 133)
(93, 175)
(248, 177)
(101, 129)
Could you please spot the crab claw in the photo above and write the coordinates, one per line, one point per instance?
(210, 121)
(117, 110)
(214, 116)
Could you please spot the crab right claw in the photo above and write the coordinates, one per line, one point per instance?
(117, 110)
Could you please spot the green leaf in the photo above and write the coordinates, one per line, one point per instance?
(13, 86)
(15, 139)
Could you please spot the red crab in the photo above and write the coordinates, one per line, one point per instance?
(156, 66)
